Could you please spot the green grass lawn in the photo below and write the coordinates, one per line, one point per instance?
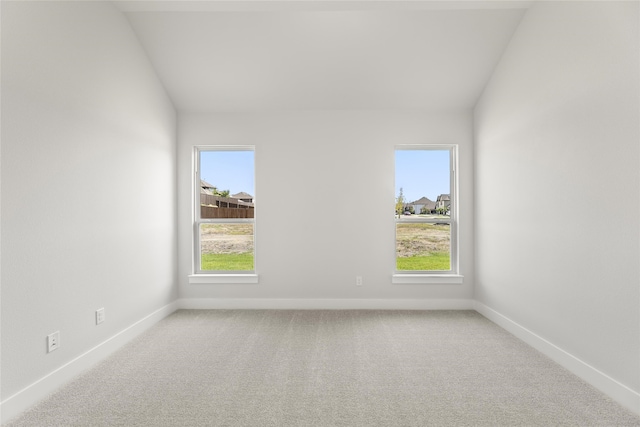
(421, 246)
(437, 261)
(227, 262)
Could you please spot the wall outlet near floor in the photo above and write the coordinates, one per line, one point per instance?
(99, 316)
(358, 280)
(53, 341)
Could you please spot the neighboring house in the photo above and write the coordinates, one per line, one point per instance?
(243, 196)
(423, 202)
(443, 202)
(206, 188)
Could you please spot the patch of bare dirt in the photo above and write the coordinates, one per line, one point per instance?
(422, 239)
(226, 238)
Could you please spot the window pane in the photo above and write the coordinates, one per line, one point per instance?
(421, 246)
(226, 184)
(226, 247)
(423, 182)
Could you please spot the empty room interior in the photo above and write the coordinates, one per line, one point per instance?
(109, 110)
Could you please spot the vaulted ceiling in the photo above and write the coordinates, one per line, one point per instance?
(267, 55)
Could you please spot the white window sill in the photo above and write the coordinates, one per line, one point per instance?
(226, 279)
(438, 279)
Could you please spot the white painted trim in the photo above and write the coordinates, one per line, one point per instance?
(619, 392)
(226, 279)
(429, 279)
(32, 394)
(324, 304)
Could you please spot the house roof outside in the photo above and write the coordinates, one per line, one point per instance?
(242, 195)
(422, 201)
(444, 198)
(205, 184)
(206, 188)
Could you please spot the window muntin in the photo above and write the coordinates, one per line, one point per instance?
(224, 211)
(425, 209)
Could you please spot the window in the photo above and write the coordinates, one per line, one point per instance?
(224, 215)
(426, 249)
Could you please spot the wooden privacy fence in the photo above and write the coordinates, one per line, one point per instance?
(224, 207)
(211, 212)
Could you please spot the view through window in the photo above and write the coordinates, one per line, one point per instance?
(225, 211)
(424, 209)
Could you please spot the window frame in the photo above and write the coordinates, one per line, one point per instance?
(199, 276)
(433, 276)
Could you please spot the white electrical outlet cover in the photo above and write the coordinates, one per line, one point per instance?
(99, 316)
(53, 341)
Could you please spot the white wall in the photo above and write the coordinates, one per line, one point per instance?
(315, 171)
(557, 183)
(88, 184)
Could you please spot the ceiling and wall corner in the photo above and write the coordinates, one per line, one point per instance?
(216, 56)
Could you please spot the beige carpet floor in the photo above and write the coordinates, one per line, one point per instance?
(327, 368)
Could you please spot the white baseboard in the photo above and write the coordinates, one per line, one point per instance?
(32, 394)
(324, 304)
(622, 394)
